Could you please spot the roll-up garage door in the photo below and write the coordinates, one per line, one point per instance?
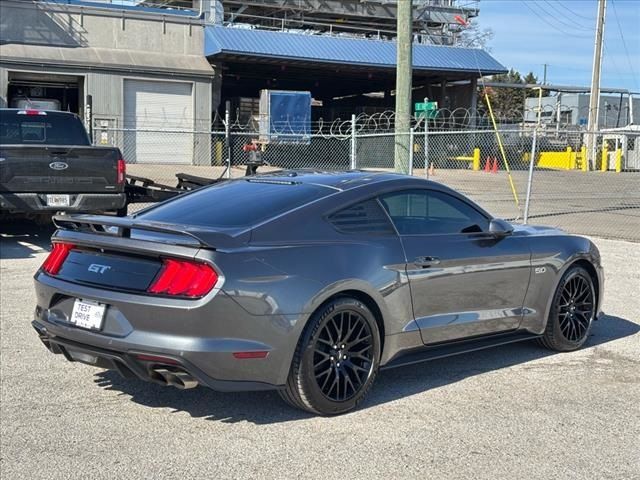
(158, 122)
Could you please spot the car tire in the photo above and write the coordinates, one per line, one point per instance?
(336, 360)
(573, 310)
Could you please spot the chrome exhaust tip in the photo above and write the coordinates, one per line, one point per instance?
(184, 381)
(178, 379)
(158, 376)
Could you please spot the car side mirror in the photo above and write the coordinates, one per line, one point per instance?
(500, 228)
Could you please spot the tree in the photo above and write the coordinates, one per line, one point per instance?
(508, 102)
(472, 36)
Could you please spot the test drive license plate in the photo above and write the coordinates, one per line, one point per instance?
(58, 200)
(87, 314)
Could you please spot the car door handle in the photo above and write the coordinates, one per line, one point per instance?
(426, 261)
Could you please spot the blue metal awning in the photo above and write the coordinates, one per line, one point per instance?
(239, 42)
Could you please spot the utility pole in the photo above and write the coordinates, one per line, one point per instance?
(404, 73)
(544, 78)
(594, 98)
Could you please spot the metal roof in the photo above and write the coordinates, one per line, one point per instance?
(225, 41)
(106, 59)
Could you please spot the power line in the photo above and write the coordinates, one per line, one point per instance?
(555, 27)
(572, 12)
(624, 44)
(559, 19)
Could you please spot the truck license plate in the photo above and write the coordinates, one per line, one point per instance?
(58, 200)
(87, 314)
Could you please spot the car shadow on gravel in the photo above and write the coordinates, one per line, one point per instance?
(267, 407)
(24, 239)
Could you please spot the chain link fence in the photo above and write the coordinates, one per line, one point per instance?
(596, 194)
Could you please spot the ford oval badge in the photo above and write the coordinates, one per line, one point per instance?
(58, 166)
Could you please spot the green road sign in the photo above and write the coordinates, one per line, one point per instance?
(426, 106)
(426, 109)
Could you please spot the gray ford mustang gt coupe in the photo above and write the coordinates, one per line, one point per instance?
(308, 283)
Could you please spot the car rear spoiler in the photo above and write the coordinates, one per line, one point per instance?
(177, 234)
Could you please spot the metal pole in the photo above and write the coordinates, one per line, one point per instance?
(532, 160)
(594, 98)
(426, 146)
(404, 60)
(227, 136)
(530, 179)
(411, 141)
(353, 142)
(89, 116)
(558, 113)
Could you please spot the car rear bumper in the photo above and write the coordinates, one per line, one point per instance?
(139, 362)
(209, 336)
(78, 202)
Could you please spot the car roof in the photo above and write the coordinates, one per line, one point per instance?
(368, 182)
(341, 180)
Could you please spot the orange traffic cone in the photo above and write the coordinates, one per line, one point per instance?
(494, 169)
(432, 170)
(487, 165)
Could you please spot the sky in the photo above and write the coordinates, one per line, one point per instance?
(561, 33)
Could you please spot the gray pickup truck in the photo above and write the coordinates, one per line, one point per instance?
(48, 165)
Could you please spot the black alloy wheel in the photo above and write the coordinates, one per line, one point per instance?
(576, 308)
(343, 355)
(572, 311)
(336, 360)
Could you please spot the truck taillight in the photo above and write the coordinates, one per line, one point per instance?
(184, 278)
(122, 170)
(32, 112)
(56, 258)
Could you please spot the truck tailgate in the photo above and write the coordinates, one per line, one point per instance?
(59, 168)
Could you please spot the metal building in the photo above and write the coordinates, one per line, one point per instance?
(141, 66)
(308, 45)
(131, 68)
(617, 109)
(342, 73)
(438, 22)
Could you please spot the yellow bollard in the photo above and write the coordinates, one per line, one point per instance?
(476, 159)
(218, 157)
(583, 156)
(572, 159)
(604, 166)
(618, 160)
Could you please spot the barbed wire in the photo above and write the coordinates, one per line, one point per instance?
(558, 117)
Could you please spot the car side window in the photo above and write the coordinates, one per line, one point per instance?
(362, 218)
(429, 212)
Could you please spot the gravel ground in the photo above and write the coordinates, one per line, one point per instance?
(511, 412)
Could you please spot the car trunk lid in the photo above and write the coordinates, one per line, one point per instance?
(130, 255)
(116, 270)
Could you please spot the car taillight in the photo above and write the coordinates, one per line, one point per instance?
(56, 258)
(122, 170)
(184, 278)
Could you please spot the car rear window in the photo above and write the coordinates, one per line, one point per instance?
(236, 203)
(49, 129)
